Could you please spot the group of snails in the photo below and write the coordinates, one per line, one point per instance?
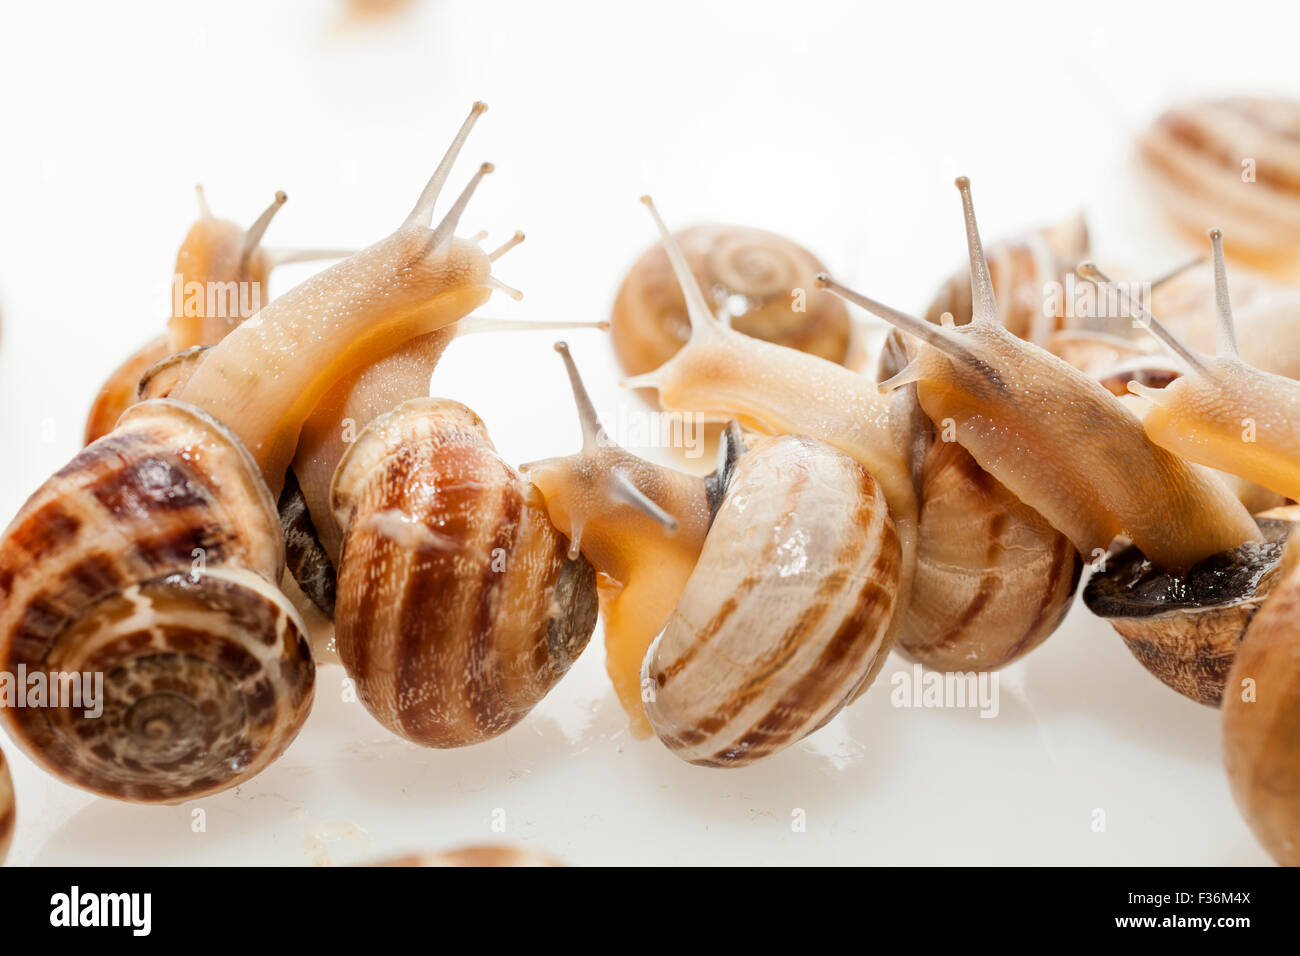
(261, 490)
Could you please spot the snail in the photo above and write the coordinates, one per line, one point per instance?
(229, 267)
(1227, 415)
(458, 608)
(486, 855)
(993, 578)
(1056, 438)
(1021, 269)
(777, 390)
(152, 556)
(1261, 717)
(760, 283)
(770, 585)
(1236, 162)
(7, 814)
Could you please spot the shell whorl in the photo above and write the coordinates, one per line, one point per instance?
(786, 612)
(457, 607)
(7, 813)
(149, 559)
(750, 275)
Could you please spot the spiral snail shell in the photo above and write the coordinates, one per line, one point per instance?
(150, 560)
(7, 814)
(1235, 162)
(784, 617)
(753, 277)
(457, 608)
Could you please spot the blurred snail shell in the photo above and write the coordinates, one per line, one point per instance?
(747, 274)
(476, 856)
(457, 607)
(7, 815)
(1261, 718)
(1234, 162)
(993, 578)
(150, 559)
(1186, 628)
(1021, 268)
(786, 612)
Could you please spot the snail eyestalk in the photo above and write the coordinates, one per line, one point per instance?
(253, 237)
(703, 321)
(422, 214)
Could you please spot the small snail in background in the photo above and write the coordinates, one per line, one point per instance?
(153, 556)
(773, 582)
(758, 282)
(1235, 162)
(1020, 269)
(487, 855)
(1227, 415)
(229, 267)
(7, 814)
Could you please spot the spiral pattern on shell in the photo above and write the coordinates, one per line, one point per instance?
(785, 616)
(765, 283)
(7, 813)
(457, 608)
(148, 562)
(1234, 163)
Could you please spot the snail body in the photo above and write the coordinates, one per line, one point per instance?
(754, 277)
(458, 608)
(229, 267)
(1033, 422)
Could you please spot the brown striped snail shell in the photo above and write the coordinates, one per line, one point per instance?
(1021, 268)
(763, 282)
(993, 578)
(785, 615)
(1261, 718)
(7, 814)
(150, 559)
(488, 855)
(1234, 162)
(457, 606)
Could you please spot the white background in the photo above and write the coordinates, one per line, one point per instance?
(841, 125)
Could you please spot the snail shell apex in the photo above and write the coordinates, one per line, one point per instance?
(749, 274)
(457, 607)
(150, 558)
(786, 612)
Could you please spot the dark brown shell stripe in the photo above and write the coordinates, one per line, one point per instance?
(7, 814)
(796, 682)
(450, 615)
(146, 560)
